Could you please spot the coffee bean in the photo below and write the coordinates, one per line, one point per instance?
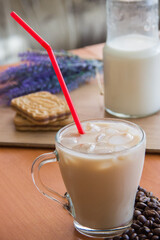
(157, 215)
(142, 189)
(156, 225)
(131, 231)
(149, 194)
(117, 238)
(142, 236)
(142, 218)
(126, 231)
(139, 223)
(140, 193)
(151, 222)
(137, 213)
(150, 235)
(141, 205)
(153, 199)
(147, 223)
(157, 220)
(156, 231)
(135, 226)
(150, 213)
(133, 235)
(125, 236)
(151, 219)
(155, 237)
(144, 199)
(147, 208)
(152, 205)
(146, 229)
(141, 230)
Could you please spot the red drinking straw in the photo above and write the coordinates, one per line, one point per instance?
(57, 70)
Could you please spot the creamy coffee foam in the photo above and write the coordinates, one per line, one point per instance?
(101, 137)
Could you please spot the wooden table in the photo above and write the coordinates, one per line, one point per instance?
(25, 214)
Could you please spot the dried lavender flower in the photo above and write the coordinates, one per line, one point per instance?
(35, 73)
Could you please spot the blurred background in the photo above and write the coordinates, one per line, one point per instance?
(64, 24)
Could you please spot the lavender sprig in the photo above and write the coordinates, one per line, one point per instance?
(35, 73)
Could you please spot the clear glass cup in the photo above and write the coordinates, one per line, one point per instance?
(132, 58)
(101, 187)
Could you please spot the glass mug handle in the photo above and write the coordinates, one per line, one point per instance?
(40, 161)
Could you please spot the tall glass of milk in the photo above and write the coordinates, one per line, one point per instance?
(132, 58)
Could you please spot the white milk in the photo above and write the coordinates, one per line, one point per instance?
(132, 76)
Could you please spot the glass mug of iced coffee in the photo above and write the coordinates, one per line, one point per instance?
(101, 170)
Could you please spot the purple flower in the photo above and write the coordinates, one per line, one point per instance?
(36, 73)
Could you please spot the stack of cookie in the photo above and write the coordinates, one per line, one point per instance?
(40, 111)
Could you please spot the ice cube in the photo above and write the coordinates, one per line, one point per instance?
(100, 137)
(84, 147)
(72, 134)
(101, 144)
(111, 131)
(122, 127)
(102, 147)
(69, 141)
(120, 139)
(90, 127)
(134, 131)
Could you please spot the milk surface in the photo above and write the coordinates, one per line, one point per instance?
(132, 43)
(131, 75)
(101, 170)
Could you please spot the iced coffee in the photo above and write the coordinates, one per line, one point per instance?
(101, 170)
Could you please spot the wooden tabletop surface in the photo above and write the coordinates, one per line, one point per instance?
(25, 214)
